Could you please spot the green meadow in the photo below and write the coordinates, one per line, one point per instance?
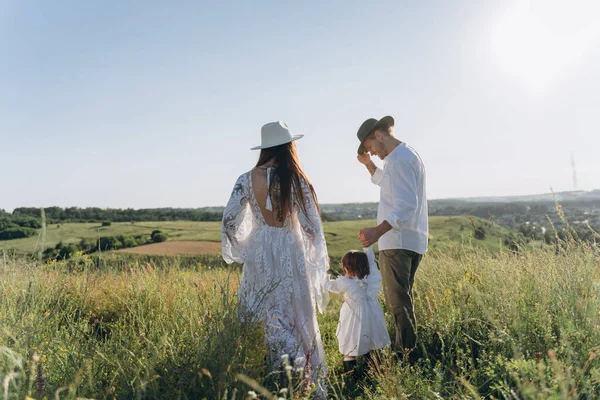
(491, 325)
(341, 236)
(493, 322)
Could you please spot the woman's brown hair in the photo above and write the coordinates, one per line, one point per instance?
(357, 263)
(287, 176)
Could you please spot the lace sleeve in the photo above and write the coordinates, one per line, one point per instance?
(315, 249)
(237, 223)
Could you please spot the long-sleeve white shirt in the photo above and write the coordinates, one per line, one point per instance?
(403, 201)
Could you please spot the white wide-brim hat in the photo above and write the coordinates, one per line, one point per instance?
(275, 134)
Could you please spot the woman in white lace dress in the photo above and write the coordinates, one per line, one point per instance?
(272, 225)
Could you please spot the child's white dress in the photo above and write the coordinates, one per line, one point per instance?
(362, 326)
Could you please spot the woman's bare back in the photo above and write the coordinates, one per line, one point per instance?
(260, 187)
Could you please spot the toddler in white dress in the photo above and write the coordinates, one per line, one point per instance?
(362, 325)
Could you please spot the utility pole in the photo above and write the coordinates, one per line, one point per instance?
(574, 172)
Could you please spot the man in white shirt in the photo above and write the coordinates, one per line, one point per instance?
(402, 230)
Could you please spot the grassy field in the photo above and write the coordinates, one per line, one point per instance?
(177, 248)
(74, 232)
(492, 325)
(445, 232)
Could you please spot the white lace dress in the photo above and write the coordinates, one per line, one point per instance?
(362, 325)
(284, 273)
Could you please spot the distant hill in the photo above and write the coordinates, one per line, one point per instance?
(577, 201)
(560, 196)
(535, 216)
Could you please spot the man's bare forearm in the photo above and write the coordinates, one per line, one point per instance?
(371, 167)
(383, 228)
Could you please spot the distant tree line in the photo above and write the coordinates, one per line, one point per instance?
(64, 251)
(96, 214)
(527, 217)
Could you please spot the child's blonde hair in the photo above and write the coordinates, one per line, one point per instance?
(357, 263)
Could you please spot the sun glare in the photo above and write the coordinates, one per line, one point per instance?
(540, 42)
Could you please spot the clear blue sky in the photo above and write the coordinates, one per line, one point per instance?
(156, 104)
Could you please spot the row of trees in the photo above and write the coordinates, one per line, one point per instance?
(95, 214)
(64, 251)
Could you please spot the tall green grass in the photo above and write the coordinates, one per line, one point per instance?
(495, 325)
(163, 333)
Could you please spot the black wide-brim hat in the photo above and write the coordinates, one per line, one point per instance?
(370, 126)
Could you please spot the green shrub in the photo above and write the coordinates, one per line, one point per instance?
(16, 232)
(158, 236)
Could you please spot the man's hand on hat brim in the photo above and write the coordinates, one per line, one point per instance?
(364, 158)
